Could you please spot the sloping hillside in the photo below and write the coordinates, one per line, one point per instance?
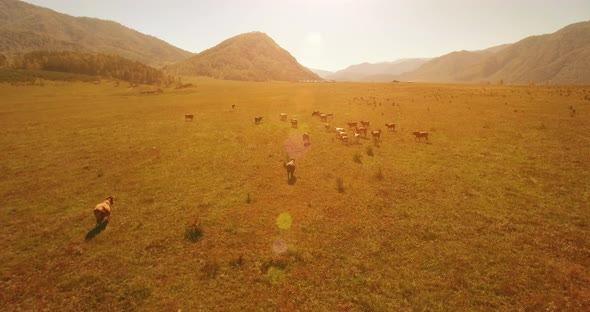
(251, 56)
(25, 28)
(451, 67)
(385, 71)
(562, 57)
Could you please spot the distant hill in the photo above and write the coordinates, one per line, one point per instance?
(378, 72)
(251, 56)
(562, 57)
(452, 67)
(25, 28)
(322, 73)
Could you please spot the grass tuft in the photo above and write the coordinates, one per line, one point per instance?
(340, 185)
(357, 158)
(193, 230)
(210, 269)
(379, 174)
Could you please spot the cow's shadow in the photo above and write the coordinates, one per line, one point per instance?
(95, 231)
(292, 180)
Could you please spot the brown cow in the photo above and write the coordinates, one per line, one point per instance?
(390, 126)
(376, 134)
(365, 124)
(293, 123)
(102, 211)
(306, 139)
(362, 130)
(283, 116)
(351, 124)
(323, 117)
(290, 166)
(257, 120)
(418, 135)
(327, 126)
(188, 117)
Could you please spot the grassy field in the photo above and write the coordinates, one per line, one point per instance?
(491, 215)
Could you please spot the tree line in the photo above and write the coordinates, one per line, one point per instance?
(104, 65)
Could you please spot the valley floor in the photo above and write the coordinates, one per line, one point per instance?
(490, 214)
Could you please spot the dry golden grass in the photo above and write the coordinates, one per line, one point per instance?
(491, 215)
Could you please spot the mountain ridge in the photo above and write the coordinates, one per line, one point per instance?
(252, 56)
(26, 28)
(561, 57)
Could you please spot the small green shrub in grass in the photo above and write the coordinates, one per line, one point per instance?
(340, 185)
(357, 158)
(193, 230)
(379, 174)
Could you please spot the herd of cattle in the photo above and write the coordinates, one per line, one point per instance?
(359, 129)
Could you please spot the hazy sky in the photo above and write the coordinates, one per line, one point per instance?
(332, 34)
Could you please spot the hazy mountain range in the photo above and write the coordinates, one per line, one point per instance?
(378, 72)
(562, 57)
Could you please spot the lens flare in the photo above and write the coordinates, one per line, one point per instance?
(284, 221)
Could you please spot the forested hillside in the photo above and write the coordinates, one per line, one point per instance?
(108, 66)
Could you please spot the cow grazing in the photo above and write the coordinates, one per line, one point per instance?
(344, 137)
(257, 120)
(316, 113)
(290, 166)
(418, 135)
(365, 124)
(293, 123)
(323, 117)
(306, 139)
(357, 136)
(390, 126)
(188, 117)
(362, 130)
(102, 211)
(283, 116)
(376, 135)
(351, 124)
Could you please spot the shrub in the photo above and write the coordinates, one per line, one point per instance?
(193, 230)
(210, 269)
(357, 158)
(379, 174)
(340, 185)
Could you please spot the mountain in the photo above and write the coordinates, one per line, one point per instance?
(452, 67)
(251, 56)
(379, 72)
(322, 73)
(562, 57)
(25, 28)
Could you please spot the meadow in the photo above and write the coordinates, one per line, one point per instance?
(490, 215)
